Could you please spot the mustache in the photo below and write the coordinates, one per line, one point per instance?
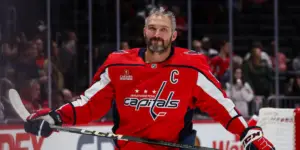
(156, 39)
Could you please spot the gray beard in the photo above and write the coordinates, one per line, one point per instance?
(159, 49)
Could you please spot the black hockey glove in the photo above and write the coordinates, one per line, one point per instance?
(39, 122)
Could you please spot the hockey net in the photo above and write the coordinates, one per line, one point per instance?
(281, 127)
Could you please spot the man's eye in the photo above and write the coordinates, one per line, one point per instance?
(164, 29)
(151, 28)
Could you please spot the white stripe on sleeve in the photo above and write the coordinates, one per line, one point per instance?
(91, 91)
(243, 121)
(210, 89)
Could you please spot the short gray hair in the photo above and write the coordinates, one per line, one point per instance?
(161, 11)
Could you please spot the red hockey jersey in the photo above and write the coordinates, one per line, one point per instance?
(153, 100)
(219, 65)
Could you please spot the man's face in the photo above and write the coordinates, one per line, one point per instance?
(158, 33)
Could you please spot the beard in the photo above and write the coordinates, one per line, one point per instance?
(157, 44)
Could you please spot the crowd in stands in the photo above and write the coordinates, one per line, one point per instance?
(253, 76)
(24, 65)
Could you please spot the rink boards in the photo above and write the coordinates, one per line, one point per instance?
(13, 137)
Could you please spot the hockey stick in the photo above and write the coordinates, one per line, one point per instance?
(23, 113)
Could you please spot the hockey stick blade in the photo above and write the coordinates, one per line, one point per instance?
(18, 106)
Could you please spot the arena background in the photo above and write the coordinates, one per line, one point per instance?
(76, 36)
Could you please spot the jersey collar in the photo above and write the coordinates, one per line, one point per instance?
(142, 51)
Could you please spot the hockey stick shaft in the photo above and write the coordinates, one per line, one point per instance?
(128, 138)
(23, 113)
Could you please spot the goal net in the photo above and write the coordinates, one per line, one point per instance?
(281, 127)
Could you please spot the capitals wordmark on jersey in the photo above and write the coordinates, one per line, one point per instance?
(155, 102)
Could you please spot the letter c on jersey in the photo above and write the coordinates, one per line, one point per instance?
(174, 72)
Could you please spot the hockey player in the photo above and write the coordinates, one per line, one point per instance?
(154, 90)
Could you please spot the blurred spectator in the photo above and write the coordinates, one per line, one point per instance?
(69, 55)
(237, 61)
(62, 97)
(207, 47)
(9, 50)
(57, 99)
(40, 50)
(282, 62)
(40, 62)
(197, 46)
(56, 75)
(296, 62)
(220, 63)
(71, 43)
(264, 55)
(257, 73)
(294, 86)
(26, 67)
(240, 92)
(125, 45)
(30, 93)
(40, 46)
(67, 95)
(56, 56)
(293, 89)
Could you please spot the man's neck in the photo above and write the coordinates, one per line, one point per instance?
(156, 57)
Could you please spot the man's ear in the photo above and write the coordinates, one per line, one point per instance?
(174, 36)
(144, 31)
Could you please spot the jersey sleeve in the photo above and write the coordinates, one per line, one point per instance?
(211, 98)
(93, 103)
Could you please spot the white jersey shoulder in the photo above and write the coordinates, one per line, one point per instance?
(192, 52)
(120, 52)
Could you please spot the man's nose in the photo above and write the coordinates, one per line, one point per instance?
(157, 34)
